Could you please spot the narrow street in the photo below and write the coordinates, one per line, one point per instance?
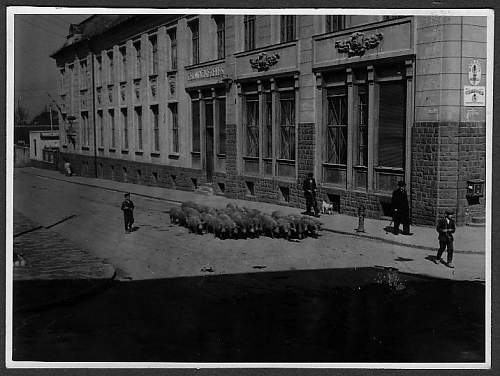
(180, 297)
(161, 250)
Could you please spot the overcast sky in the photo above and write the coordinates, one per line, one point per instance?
(35, 73)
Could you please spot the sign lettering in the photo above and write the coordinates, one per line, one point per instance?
(206, 73)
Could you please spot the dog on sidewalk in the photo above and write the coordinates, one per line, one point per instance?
(326, 208)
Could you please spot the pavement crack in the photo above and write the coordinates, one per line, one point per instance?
(61, 221)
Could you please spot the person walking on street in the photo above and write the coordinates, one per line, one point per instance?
(400, 207)
(446, 227)
(128, 212)
(309, 187)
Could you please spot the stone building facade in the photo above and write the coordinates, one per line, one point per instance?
(249, 104)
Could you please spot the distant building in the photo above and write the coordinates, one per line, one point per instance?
(251, 104)
(43, 144)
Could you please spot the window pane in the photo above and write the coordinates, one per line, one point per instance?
(268, 126)
(195, 106)
(175, 128)
(392, 124)
(362, 126)
(222, 126)
(287, 124)
(335, 23)
(336, 141)
(252, 121)
(138, 114)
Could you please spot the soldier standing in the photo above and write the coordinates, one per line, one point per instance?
(128, 212)
(309, 187)
(400, 207)
(446, 227)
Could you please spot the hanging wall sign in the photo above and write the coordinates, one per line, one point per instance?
(474, 96)
(475, 72)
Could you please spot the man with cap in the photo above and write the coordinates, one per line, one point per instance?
(400, 207)
(309, 187)
(446, 227)
(128, 212)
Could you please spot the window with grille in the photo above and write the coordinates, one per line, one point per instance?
(195, 111)
(221, 36)
(111, 67)
(100, 127)
(123, 53)
(392, 124)
(335, 23)
(138, 122)
(113, 130)
(252, 125)
(153, 41)
(249, 25)
(287, 28)
(287, 125)
(221, 142)
(138, 63)
(125, 128)
(156, 128)
(175, 127)
(267, 126)
(195, 41)
(362, 126)
(173, 49)
(336, 137)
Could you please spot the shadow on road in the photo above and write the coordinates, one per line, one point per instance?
(333, 315)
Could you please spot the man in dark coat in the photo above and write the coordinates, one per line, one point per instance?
(309, 187)
(400, 207)
(446, 227)
(128, 212)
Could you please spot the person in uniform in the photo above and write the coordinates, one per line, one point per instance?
(128, 212)
(445, 228)
(400, 207)
(309, 187)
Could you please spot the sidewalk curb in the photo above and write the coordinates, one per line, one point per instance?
(354, 234)
(71, 299)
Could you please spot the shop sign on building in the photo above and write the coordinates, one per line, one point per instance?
(206, 73)
(475, 72)
(474, 96)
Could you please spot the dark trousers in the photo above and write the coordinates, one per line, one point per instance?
(311, 202)
(401, 219)
(129, 220)
(443, 244)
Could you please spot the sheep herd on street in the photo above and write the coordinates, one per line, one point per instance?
(234, 222)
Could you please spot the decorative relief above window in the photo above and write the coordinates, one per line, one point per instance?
(358, 44)
(263, 62)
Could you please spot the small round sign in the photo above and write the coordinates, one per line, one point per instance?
(475, 72)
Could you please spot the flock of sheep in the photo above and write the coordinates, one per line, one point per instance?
(240, 222)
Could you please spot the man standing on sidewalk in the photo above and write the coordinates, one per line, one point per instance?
(400, 207)
(309, 187)
(128, 212)
(446, 227)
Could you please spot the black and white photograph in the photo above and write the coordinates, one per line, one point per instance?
(191, 188)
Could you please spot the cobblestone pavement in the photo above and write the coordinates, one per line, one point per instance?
(51, 256)
(160, 250)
